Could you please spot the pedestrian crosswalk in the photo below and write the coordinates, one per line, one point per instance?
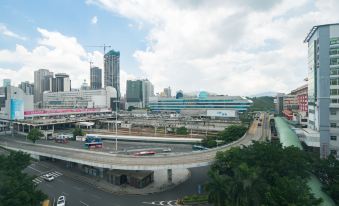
(162, 203)
(39, 179)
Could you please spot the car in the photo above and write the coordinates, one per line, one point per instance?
(61, 201)
(167, 150)
(48, 177)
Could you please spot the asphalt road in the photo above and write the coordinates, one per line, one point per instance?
(78, 193)
(109, 145)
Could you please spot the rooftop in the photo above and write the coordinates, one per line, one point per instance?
(314, 28)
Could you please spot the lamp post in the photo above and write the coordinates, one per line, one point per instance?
(116, 125)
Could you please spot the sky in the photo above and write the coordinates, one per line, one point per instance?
(241, 47)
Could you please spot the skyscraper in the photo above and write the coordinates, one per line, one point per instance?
(147, 92)
(27, 87)
(96, 78)
(6, 82)
(41, 84)
(61, 83)
(112, 70)
(134, 93)
(323, 90)
(168, 92)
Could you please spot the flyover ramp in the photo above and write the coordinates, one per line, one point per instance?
(128, 162)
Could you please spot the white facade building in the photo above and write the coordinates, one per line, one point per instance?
(101, 98)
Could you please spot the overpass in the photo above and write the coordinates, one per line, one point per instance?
(128, 162)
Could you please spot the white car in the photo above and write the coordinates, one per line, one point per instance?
(167, 150)
(61, 201)
(48, 177)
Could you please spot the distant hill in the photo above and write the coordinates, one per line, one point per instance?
(262, 103)
(265, 94)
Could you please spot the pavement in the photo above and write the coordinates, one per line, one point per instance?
(78, 193)
(160, 183)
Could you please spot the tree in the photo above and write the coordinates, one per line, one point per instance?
(261, 174)
(16, 188)
(232, 133)
(34, 135)
(182, 131)
(130, 108)
(77, 132)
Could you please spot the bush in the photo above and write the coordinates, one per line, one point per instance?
(182, 131)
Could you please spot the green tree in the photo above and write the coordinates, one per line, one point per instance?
(77, 132)
(261, 174)
(182, 131)
(34, 135)
(232, 133)
(16, 188)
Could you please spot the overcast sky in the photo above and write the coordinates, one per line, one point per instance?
(241, 47)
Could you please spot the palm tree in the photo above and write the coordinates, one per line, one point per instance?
(217, 188)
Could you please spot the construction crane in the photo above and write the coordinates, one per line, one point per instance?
(102, 46)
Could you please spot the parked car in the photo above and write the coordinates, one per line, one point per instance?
(48, 177)
(61, 201)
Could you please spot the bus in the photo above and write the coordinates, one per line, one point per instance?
(93, 142)
(144, 153)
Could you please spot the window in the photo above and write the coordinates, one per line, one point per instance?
(333, 125)
(334, 101)
(333, 112)
(334, 40)
(334, 81)
(334, 138)
(334, 92)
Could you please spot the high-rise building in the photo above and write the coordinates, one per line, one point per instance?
(27, 87)
(323, 88)
(134, 93)
(41, 84)
(112, 70)
(168, 92)
(6, 82)
(96, 78)
(147, 92)
(60, 83)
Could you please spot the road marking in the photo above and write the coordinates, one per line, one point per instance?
(84, 203)
(78, 188)
(162, 203)
(34, 169)
(96, 196)
(65, 193)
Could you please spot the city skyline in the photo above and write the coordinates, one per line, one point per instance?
(152, 45)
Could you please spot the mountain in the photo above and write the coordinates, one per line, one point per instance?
(265, 94)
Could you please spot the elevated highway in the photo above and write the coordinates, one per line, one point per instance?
(128, 162)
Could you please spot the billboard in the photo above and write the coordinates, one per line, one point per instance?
(221, 113)
(64, 111)
(17, 109)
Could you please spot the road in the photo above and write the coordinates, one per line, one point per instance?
(82, 194)
(128, 162)
(78, 193)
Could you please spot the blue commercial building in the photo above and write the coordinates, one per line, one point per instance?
(204, 104)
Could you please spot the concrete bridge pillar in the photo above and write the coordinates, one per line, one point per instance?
(169, 175)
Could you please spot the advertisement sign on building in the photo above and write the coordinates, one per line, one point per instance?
(221, 113)
(17, 109)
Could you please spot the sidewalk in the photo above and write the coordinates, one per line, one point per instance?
(160, 180)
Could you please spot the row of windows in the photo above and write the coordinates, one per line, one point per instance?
(334, 92)
(334, 40)
(334, 81)
(334, 61)
(335, 101)
(334, 51)
(334, 71)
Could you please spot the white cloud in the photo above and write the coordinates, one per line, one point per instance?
(6, 32)
(232, 47)
(55, 52)
(94, 20)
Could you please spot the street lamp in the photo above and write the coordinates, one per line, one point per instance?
(116, 125)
